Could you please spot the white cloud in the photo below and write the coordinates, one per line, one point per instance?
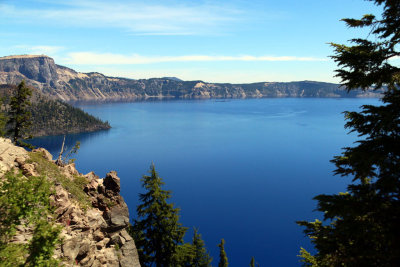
(138, 17)
(89, 58)
(40, 49)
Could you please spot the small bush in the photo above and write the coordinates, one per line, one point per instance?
(25, 202)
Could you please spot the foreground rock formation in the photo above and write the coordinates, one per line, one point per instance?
(66, 84)
(94, 221)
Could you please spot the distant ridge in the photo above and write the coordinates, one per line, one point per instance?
(59, 82)
(172, 78)
(23, 56)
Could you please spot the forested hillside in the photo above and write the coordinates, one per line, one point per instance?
(53, 117)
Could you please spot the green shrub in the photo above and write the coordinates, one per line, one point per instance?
(26, 202)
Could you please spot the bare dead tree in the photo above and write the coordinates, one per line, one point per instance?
(64, 160)
(59, 160)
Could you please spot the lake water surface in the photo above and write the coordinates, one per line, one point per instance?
(242, 170)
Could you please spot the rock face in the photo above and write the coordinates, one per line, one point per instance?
(8, 155)
(41, 68)
(94, 235)
(97, 236)
(66, 84)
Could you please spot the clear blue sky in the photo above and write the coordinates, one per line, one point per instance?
(237, 41)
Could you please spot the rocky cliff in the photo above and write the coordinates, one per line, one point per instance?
(66, 84)
(93, 216)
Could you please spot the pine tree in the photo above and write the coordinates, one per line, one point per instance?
(223, 259)
(19, 114)
(252, 262)
(184, 256)
(362, 224)
(192, 254)
(157, 231)
(3, 119)
(201, 258)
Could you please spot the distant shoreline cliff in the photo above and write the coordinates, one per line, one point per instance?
(59, 82)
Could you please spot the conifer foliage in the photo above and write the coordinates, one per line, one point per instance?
(223, 259)
(3, 119)
(192, 254)
(362, 225)
(157, 231)
(252, 262)
(19, 114)
(201, 258)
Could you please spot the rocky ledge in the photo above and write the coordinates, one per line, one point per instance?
(93, 234)
(96, 236)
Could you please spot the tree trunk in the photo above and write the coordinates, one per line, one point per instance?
(59, 161)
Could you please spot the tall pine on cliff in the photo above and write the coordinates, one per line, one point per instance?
(157, 231)
(20, 117)
(3, 119)
(362, 225)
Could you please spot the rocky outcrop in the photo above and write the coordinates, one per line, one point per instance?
(66, 84)
(97, 236)
(94, 234)
(8, 154)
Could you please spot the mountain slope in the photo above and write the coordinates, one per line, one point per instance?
(63, 83)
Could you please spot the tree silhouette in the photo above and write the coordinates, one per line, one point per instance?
(362, 225)
(157, 231)
(223, 259)
(19, 115)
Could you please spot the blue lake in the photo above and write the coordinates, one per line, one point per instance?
(242, 170)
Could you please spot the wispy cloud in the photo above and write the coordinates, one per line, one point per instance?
(40, 49)
(138, 17)
(89, 58)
